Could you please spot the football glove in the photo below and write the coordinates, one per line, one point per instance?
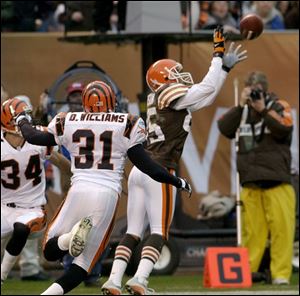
(22, 115)
(233, 56)
(185, 186)
(219, 42)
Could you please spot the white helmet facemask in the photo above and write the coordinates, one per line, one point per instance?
(184, 77)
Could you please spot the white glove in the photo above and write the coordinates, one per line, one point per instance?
(185, 186)
(233, 56)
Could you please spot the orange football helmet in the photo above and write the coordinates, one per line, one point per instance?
(11, 108)
(166, 71)
(97, 96)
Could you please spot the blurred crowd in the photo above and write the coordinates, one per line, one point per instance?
(110, 16)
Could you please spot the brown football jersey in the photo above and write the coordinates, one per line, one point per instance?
(167, 130)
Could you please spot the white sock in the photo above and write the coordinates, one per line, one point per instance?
(117, 271)
(7, 264)
(144, 269)
(54, 289)
(63, 241)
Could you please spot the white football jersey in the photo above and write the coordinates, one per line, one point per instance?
(22, 174)
(98, 144)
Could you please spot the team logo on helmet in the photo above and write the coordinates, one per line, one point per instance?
(97, 96)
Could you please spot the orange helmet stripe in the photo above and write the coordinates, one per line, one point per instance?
(98, 97)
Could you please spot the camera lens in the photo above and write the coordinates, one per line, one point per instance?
(255, 94)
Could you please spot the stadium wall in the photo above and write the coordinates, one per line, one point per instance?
(32, 62)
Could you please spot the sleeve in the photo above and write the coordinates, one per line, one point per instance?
(230, 122)
(35, 136)
(204, 93)
(46, 150)
(135, 130)
(56, 127)
(279, 119)
(139, 157)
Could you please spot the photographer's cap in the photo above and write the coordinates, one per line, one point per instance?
(257, 77)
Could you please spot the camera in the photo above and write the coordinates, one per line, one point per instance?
(255, 94)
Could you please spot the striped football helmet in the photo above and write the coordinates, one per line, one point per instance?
(9, 110)
(97, 96)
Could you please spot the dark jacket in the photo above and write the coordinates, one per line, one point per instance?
(264, 141)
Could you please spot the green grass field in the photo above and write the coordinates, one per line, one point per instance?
(161, 284)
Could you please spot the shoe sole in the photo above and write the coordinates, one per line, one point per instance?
(135, 290)
(78, 240)
(110, 291)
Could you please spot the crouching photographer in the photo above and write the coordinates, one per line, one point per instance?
(264, 165)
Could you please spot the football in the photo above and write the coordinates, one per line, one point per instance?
(251, 26)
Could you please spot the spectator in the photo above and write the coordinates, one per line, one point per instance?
(283, 7)
(27, 17)
(7, 16)
(272, 18)
(264, 164)
(291, 18)
(235, 8)
(74, 101)
(203, 15)
(52, 17)
(103, 13)
(190, 12)
(219, 14)
(80, 15)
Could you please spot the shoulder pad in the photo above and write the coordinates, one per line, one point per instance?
(131, 121)
(60, 123)
(172, 92)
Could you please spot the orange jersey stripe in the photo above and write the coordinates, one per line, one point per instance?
(105, 239)
(52, 221)
(164, 210)
(37, 224)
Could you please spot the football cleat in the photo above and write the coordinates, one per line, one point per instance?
(135, 287)
(79, 236)
(109, 288)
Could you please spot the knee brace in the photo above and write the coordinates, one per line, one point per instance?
(52, 252)
(18, 239)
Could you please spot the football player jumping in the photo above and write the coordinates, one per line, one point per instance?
(98, 140)
(174, 96)
(22, 185)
